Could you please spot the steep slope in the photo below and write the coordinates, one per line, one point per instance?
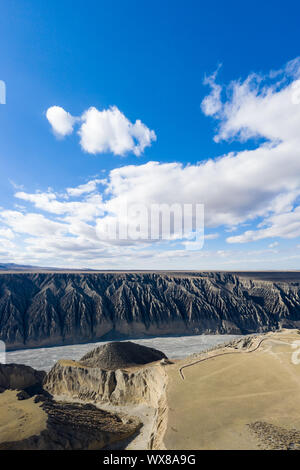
(39, 309)
(115, 355)
(29, 424)
(19, 377)
(31, 419)
(120, 376)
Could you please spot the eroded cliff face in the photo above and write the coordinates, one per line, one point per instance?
(118, 387)
(19, 377)
(122, 387)
(38, 422)
(39, 309)
(53, 425)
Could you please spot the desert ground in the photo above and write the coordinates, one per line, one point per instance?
(235, 398)
(20, 419)
(239, 396)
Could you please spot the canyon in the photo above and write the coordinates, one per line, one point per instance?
(57, 308)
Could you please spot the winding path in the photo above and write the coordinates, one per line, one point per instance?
(222, 354)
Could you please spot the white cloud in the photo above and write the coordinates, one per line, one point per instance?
(211, 236)
(212, 104)
(61, 121)
(238, 187)
(103, 131)
(90, 207)
(284, 225)
(6, 233)
(32, 224)
(257, 107)
(268, 108)
(88, 187)
(6, 246)
(110, 131)
(260, 187)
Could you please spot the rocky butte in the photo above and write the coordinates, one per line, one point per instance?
(66, 408)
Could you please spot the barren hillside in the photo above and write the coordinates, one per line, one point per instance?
(39, 309)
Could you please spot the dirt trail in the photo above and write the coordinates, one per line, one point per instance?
(224, 354)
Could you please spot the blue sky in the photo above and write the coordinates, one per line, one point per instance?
(149, 60)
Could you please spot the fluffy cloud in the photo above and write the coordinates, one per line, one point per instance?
(237, 187)
(103, 131)
(260, 106)
(110, 131)
(32, 224)
(259, 186)
(88, 187)
(267, 108)
(6, 233)
(87, 209)
(286, 225)
(212, 104)
(61, 121)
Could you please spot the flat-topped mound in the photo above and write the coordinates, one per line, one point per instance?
(120, 354)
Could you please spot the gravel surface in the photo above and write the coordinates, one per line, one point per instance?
(120, 354)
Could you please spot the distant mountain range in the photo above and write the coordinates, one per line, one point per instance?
(20, 267)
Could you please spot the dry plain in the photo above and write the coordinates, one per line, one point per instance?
(235, 398)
